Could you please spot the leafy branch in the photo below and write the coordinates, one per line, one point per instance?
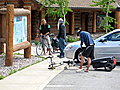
(56, 8)
(106, 6)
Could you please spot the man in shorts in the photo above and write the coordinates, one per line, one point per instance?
(86, 38)
(44, 32)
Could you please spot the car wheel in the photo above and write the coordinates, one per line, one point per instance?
(108, 67)
(78, 57)
(114, 66)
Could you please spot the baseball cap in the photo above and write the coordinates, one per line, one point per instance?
(60, 20)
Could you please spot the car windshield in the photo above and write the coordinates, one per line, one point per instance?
(113, 37)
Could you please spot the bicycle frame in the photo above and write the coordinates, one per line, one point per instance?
(40, 46)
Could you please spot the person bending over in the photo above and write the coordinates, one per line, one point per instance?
(87, 39)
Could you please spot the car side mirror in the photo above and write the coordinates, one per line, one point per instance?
(103, 40)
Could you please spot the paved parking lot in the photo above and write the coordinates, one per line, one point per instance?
(93, 80)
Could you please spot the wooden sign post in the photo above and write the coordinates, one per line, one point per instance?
(9, 35)
(27, 51)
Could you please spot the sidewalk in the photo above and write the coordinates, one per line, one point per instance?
(34, 77)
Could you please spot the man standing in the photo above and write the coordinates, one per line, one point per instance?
(44, 32)
(62, 37)
(86, 38)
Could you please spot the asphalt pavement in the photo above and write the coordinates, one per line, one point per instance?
(92, 80)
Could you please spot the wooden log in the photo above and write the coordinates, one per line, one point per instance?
(21, 46)
(117, 17)
(17, 11)
(2, 41)
(83, 22)
(72, 23)
(1, 47)
(9, 34)
(94, 22)
(0, 25)
(27, 51)
(4, 26)
(21, 12)
(1, 44)
(2, 35)
(42, 14)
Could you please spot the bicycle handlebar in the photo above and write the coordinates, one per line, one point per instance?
(51, 34)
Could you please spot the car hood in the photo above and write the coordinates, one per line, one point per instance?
(76, 44)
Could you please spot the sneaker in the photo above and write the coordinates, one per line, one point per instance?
(58, 55)
(86, 70)
(79, 70)
(50, 53)
(61, 56)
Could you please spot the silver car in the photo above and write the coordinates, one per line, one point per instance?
(106, 45)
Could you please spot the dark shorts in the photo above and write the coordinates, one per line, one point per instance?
(89, 52)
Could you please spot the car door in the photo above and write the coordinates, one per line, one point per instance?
(108, 46)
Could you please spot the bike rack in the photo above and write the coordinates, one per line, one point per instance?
(51, 65)
(51, 62)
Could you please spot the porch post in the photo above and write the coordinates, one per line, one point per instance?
(83, 22)
(94, 22)
(1, 43)
(42, 14)
(117, 16)
(72, 24)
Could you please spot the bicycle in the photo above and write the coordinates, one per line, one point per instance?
(39, 48)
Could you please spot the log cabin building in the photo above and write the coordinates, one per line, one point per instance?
(35, 13)
(82, 15)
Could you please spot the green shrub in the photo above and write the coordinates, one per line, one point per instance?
(72, 39)
(2, 77)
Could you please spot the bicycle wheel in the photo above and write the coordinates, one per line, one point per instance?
(39, 49)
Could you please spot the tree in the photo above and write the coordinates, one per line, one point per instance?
(55, 8)
(106, 6)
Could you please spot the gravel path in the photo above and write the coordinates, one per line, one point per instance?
(19, 62)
